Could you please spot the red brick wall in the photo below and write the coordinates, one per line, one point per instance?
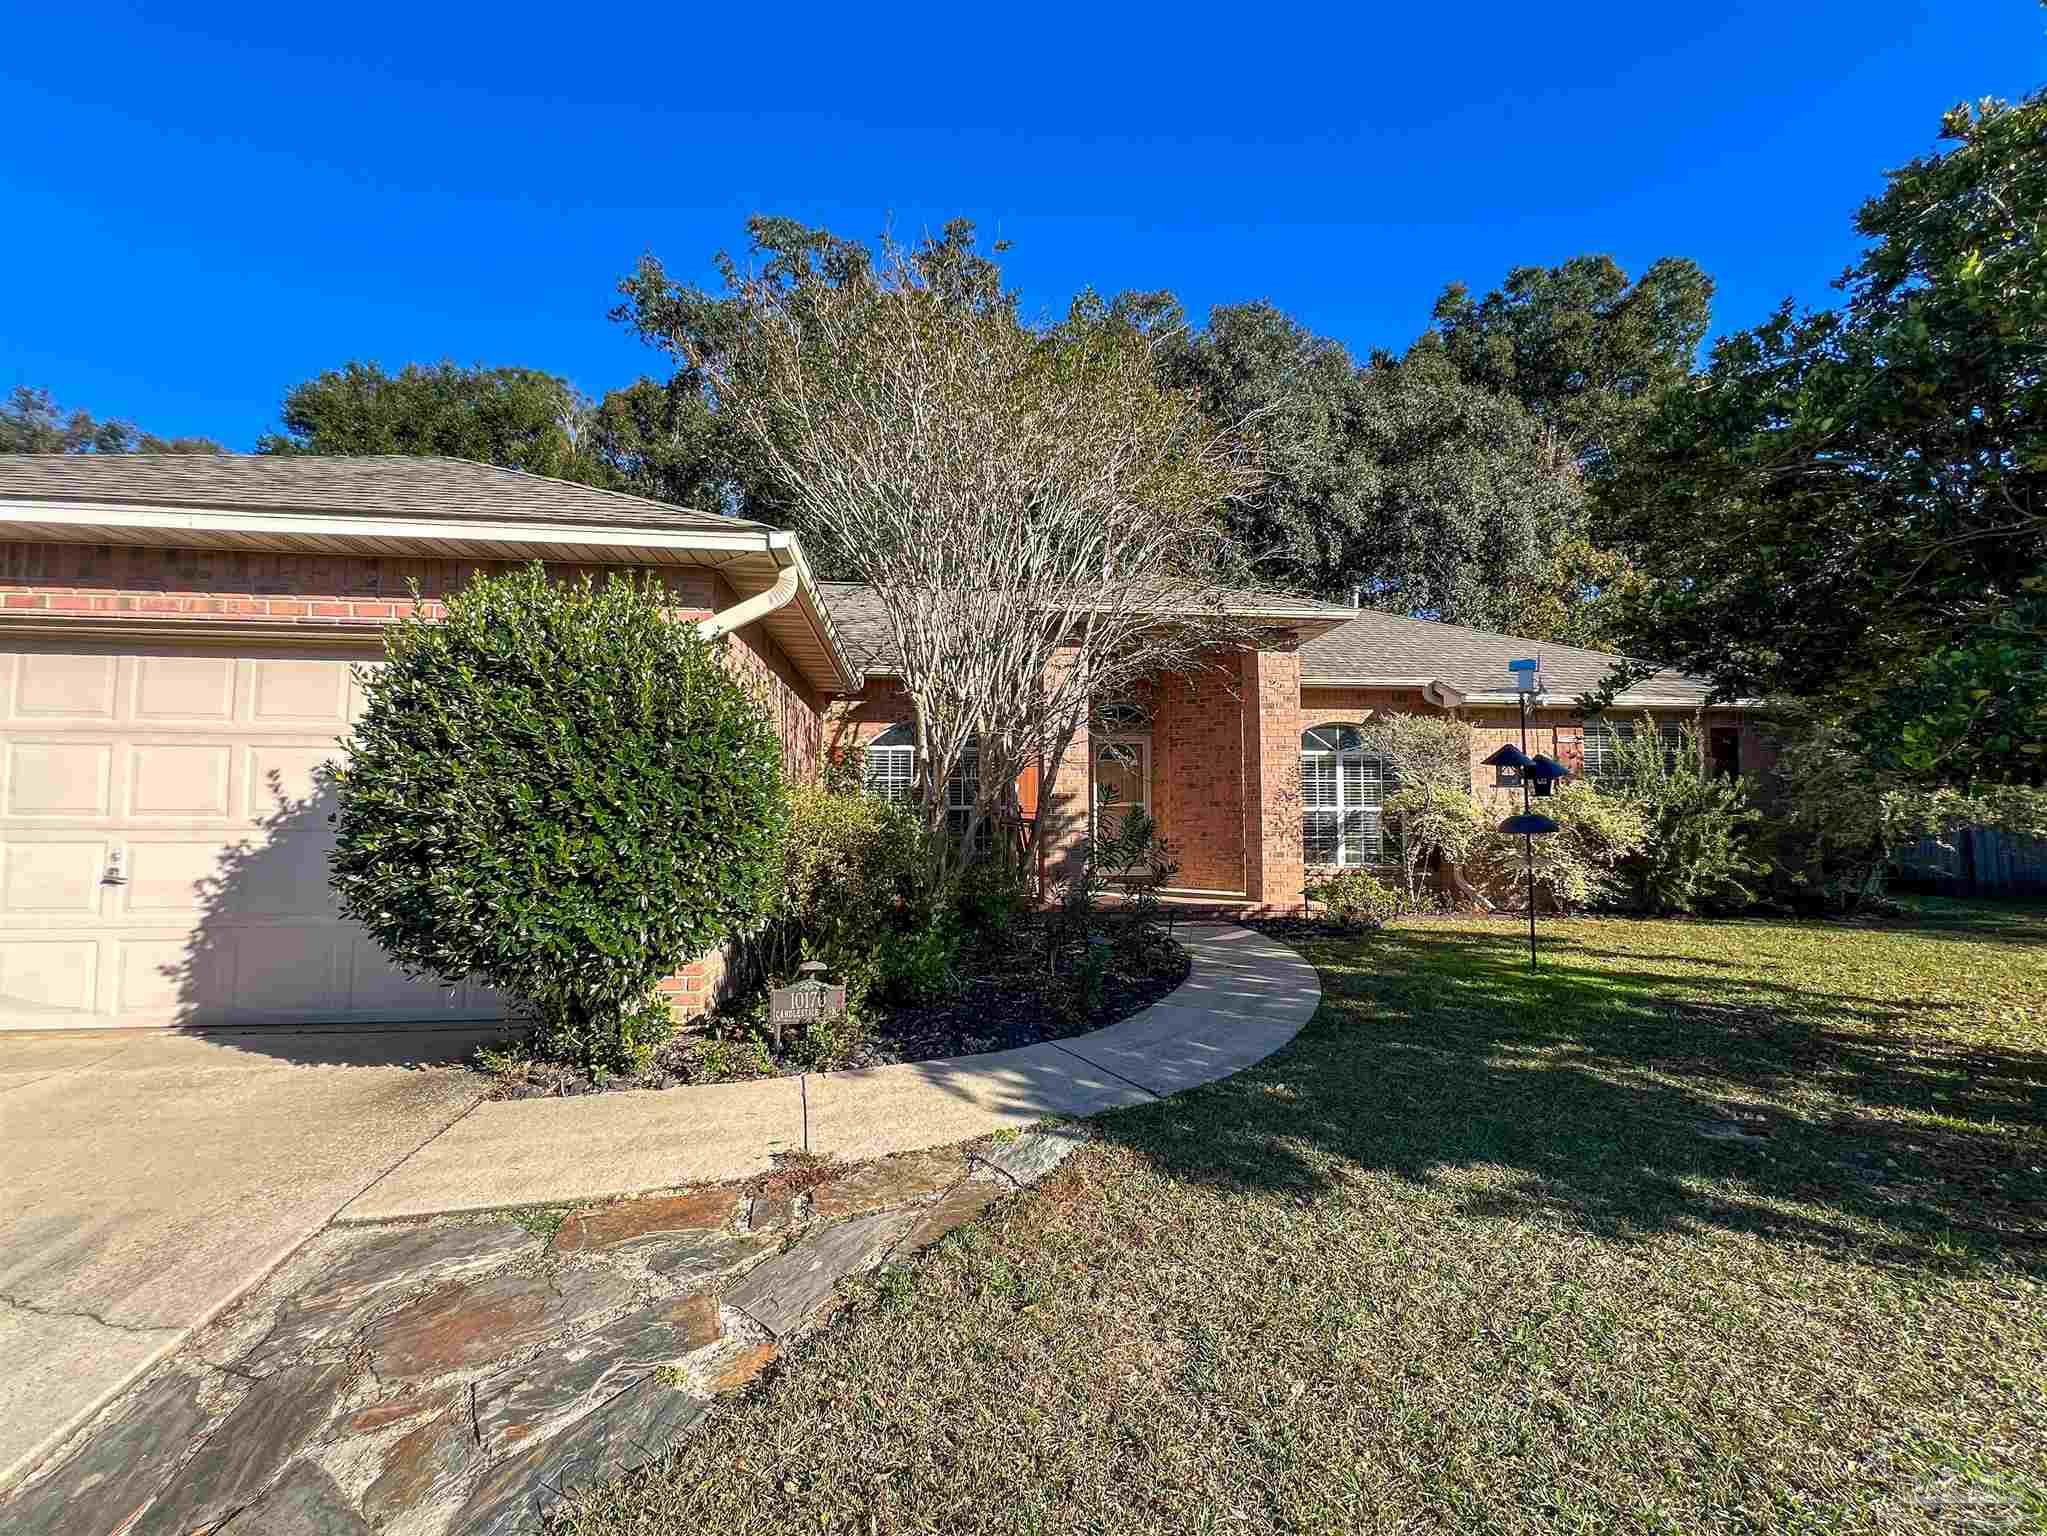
(1197, 743)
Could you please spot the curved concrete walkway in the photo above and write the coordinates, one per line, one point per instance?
(1246, 996)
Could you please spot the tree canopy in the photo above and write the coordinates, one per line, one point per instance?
(518, 418)
(1585, 350)
(1849, 493)
(32, 422)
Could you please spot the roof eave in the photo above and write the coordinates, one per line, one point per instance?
(720, 549)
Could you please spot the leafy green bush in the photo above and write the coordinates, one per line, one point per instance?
(1836, 822)
(1578, 865)
(1697, 827)
(561, 792)
(852, 870)
(993, 898)
(921, 965)
(1435, 822)
(1355, 901)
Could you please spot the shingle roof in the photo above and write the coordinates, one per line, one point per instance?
(1370, 644)
(1375, 644)
(392, 485)
(862, 626)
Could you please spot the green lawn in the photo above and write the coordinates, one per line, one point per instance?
(1461, 1259)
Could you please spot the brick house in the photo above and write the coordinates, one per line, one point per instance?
(176, 641)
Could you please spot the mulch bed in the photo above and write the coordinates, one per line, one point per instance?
(1007, 1000)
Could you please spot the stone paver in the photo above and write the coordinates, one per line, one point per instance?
(100, 1487)
(533, 1401)
(629, 1220)
(881, 1186)
(431, 1459)
(691, 1256)
(281, 1413)
(466, 1324)
(785, 1292)
(1030, 1157)
(305, 1502)
(374, 1273)
(628, 1431)
(954, 1209)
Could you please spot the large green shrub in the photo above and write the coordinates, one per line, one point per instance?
(563, 793)
(1435, 823)
(1836, 822)
(852, 870)
(1578, 865)
(1697, 826)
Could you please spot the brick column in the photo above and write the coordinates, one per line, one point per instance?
(1270, 697)
(1065, 796)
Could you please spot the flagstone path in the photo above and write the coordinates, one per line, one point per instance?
(456, 1377)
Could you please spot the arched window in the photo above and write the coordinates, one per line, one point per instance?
(1343, 793)
(890, 769)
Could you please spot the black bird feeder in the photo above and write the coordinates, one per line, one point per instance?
(1539, 776)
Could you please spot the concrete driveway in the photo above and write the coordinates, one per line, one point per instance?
(150, 1178)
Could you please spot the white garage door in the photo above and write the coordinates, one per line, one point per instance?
(163, 842)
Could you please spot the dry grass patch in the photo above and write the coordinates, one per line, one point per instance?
(1479, 1251)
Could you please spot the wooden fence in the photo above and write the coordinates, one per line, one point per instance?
(1979, 862)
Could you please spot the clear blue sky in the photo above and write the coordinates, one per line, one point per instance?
(202, 211)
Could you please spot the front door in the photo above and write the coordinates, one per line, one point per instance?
(1122, 780)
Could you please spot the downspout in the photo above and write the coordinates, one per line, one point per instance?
(760, 605)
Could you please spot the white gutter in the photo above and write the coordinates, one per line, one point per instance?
(88, 515)
(1621, 701)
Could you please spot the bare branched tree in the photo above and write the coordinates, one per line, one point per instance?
(1041, 520)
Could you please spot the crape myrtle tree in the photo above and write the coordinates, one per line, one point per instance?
(1041, 518)
(1850, 507)
(563, 792)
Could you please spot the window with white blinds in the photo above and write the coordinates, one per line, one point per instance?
(1343, 798)
(890, 769)
(1604, 739)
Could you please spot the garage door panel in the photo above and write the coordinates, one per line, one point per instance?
(298, 693)
(49, 978)
(284, 876)
(56, 687)
(184, 779)
(52, 877)
(170, 874)
(376, 985)
(285, 970)
(164, 980)
(284, 780)
(57, 778)
(184, 689)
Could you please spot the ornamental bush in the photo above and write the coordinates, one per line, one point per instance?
(1355, 901)
(1576, 866)
(1697, 827)
(558, 791)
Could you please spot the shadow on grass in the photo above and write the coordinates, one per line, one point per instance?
(1628, 1093)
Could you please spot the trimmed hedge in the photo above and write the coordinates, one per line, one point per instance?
(563, 793)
